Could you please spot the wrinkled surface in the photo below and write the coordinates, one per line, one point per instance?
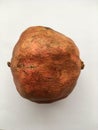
(45, 65)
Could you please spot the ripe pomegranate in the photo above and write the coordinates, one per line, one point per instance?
(45, 65)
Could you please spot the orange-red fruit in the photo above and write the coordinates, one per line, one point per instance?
(45, 65)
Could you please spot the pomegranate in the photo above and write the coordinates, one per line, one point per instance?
(45, 65)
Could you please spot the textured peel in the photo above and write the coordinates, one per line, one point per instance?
(45, 65)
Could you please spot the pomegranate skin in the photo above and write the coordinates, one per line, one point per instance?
(45, 65)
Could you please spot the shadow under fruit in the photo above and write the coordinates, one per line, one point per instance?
(45, 65)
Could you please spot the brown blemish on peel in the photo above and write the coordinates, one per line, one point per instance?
(48, 28)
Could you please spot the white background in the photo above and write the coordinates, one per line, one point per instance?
(77, 19)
